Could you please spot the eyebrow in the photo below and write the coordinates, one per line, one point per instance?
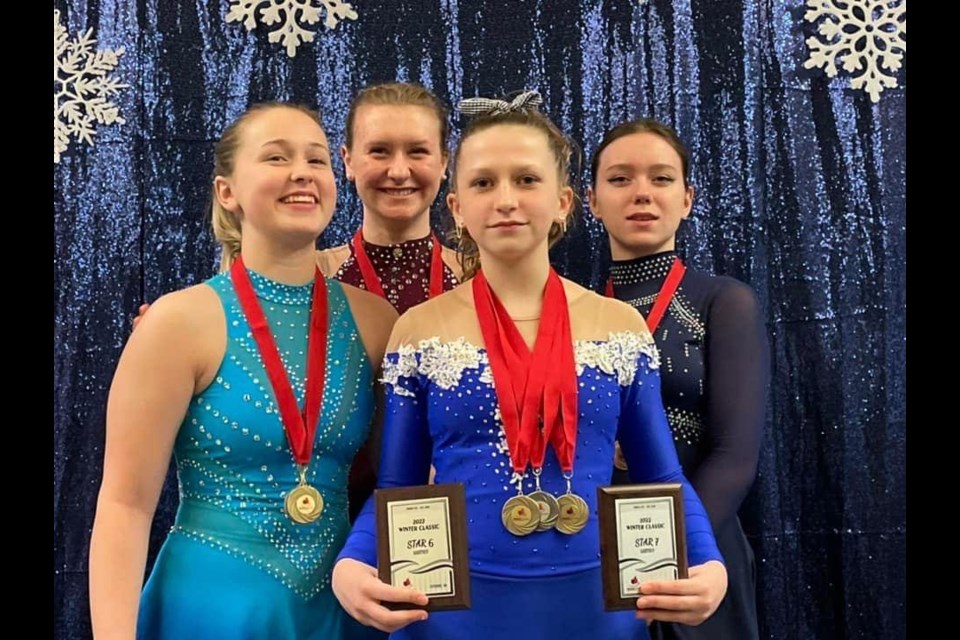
(284, 142)
(413, 143)
(624, 166)
(527, 167)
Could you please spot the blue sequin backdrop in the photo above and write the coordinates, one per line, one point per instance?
(801, 185)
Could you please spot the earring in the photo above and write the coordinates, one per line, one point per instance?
(563, 225)
(459, 232)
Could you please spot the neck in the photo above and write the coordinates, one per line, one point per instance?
(286, 266)
(620, 251)
(518, 285)
(387, 231)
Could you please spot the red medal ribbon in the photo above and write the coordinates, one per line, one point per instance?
(664, 296)
(530, 384)
(564, 395)
(299, 427)
(372, 282)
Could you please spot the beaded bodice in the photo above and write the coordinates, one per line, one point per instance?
(403, 270)
(234, 462)
(680, 338)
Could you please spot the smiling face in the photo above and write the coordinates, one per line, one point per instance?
(640, 194)
(396, 160)
(508, 191)
(282, 186)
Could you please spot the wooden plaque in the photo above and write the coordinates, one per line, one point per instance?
(642, 537)
(422, 542)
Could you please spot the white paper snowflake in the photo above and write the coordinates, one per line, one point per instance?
(291, 31)
(81, 86)
(865, 36)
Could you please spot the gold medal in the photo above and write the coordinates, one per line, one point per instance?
(304, 504)
(574, 514)
(549, 509)
(520, 515)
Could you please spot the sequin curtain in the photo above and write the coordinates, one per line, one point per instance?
(800, 193)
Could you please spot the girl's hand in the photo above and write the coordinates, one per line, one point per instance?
(360, 592)
(689, 601)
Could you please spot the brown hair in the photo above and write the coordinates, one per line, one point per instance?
(561, 146)
(401, 94)
(643, 125)
(226, 226)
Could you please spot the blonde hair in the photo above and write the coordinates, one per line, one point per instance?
(402, 94)
(226, 225)
(563, 150)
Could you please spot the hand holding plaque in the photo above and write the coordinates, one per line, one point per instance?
(422, 543)
(642, 537)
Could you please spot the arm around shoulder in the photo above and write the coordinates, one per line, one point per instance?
(375, 318)
(330, 260)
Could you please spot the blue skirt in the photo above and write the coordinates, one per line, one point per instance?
(196, 591)
(552, 608)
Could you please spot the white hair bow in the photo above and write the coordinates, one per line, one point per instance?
(492, 106)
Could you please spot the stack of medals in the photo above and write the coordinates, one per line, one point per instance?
(526, 392)
(540, 511)
(303, 504)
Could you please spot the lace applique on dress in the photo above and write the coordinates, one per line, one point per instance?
(617, 355)
(443, 363)
(404, 367)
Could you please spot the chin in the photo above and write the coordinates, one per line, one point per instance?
(508, 251)
(643, 242)
(312, 227)
(404, 213)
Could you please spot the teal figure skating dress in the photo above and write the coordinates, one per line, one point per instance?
(235, 565)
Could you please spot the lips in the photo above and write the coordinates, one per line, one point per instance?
(299, 198)
(641, 217)
(506, 224)
(406, 191)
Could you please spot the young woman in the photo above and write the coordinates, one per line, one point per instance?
(260, 382)
(712, 344)
(471, 375)
(396, 156)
